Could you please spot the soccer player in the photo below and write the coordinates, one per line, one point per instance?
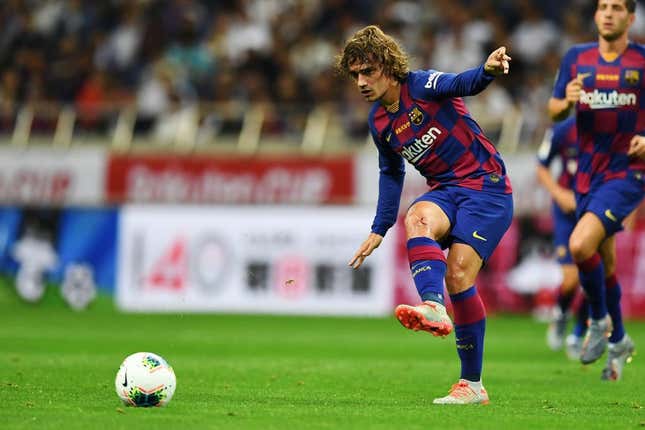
(419, 116)
(604, 81)
(561, 142)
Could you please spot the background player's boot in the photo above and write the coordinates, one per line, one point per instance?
(463, 394)
(595, 341)
(556, 330)
(428, 316)
(573, 346)
(618, 354)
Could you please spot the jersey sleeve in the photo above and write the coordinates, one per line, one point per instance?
(563, 76)
(433, 84)
(390, 185)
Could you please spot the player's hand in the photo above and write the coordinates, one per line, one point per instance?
(497, 62)
(371, 243)
(573, 89)
(566, 200)
(637, 147)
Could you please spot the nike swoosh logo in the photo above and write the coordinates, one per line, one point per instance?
(125, 379)
(583, 75)
(610, 215)
(477, 236)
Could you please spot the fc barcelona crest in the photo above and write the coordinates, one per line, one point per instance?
(416, 116)
(632, 77)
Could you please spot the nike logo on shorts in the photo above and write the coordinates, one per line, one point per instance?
(610, 215)
(477, 236)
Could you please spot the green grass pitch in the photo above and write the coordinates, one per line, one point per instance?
(57, 370)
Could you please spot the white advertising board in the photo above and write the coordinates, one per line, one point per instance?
(269, 259)
(42, 176)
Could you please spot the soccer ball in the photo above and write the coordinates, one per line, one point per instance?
(145, 379)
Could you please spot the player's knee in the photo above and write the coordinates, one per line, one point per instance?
(457, 278)
(416, 225)
(580, 251)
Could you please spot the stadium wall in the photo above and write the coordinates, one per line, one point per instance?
(124, 215)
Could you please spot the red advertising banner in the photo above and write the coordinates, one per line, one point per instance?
(230, 179)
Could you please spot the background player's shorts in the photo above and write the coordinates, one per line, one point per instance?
(563, 224)
(612, 201)
(477, 218)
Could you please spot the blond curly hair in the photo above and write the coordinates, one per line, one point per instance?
(372, 45)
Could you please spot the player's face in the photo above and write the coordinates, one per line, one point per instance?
(612, 19)
(370, 79)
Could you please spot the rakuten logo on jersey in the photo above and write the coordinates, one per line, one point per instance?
(607, 100)
(420, 146)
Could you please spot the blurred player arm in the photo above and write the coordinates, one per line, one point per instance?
(559, 109)
(563, 197)
(566, 90)
(637, 146)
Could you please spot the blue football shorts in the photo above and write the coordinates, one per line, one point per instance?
(612, 201)
(563, 224)
(477, 218)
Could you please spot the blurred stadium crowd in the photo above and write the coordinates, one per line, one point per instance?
(166, 55)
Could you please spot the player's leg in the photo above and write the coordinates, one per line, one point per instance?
(480, 222)
(621, 346)
(604, 211)
(564, 224)
(564, 297)
(573, 342)
(470, 324)
(584, 244)
(426, 224)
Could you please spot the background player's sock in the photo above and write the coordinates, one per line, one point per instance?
(582, 315)
(592, 278)
(470, 327)
(564, 299)
(613, 307)
(428, 267)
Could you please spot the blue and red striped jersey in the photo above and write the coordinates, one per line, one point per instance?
(611, 110)
(433, 131)
(561, 141)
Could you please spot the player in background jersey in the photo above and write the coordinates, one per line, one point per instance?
(561, 142)
(419, 116)
(604, 81)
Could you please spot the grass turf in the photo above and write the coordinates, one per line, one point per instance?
(57, 370)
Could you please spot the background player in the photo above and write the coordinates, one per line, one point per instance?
(561, 142)
(419, 116)
(604, 80)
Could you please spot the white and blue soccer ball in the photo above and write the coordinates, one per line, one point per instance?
(145, 379)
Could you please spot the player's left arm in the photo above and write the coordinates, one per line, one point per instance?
(637, 147)
(467, 83)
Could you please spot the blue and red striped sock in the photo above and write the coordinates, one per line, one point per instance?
(613, 307)
(470, 327)
(428, 267)
(592, 278)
